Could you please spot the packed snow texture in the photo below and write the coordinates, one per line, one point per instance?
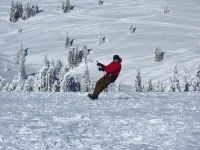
(134, 121)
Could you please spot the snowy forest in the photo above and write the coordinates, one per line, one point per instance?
(56, 77)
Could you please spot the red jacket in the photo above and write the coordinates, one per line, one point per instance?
(113, 69)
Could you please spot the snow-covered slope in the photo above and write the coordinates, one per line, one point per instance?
(70, 121)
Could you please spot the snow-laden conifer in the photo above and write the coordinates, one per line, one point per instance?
(58, 66)
(86, 82)
(131, 29)
(67, 42)
(7, 88)
(40, 80)
(28, 85)
(65, 84)
(19, 56)
(158, 54)
(195, 80)
(46, 61)
(63, 71)
(2, 83)
(159, 87)
(100, 38)
(175, 85)
(50, 78)
(150, 87)
(56, 87)
(137, 87)
(22, 70)
(67, 7)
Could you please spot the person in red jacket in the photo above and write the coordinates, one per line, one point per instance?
(112, 72)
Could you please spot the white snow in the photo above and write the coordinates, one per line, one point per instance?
(124, 120)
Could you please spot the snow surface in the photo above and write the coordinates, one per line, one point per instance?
(149, 121)
(70, 121)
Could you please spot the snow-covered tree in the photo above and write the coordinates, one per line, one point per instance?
(166, 11)
(100, 2)
(22, 70)
(117, 88)
(175, 86)
(63, 5)
(50, 78)
(138, 83)
(65, 84)
(46, 61)
(19, 56)
(150, 87)
(158, 54)
(195, 80)
(159, 87)
(40, 80)
(100, 38)
(67, 7)
(70, 58)
(28, 84)
(76, 57)
(86, 82)
(7, 88)
(58, 66)
(67, 43)
(2, 83)
(20, 84)
(56, 87)
(62, 72)
(131, 29)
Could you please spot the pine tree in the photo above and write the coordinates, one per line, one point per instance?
(175, 86)
(159, 87)
(100, 38)
(195, 80)
(40, 80)
(46, 61)
(19, 56)
(77, 83)
(19, 83)
(131, 29)
(51, 77)
(76, 57)
(62, 72)
(158, 54)
(22, 70)
(70, 58)
(150, 86)
(58, 66)
(7, 88)
(67, 43)
(86, 82)
(2, 83)
(65, 84)
(138, 83)
(56, 87)
(28, 84)
(67, 7)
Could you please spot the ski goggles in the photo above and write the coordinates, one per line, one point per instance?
(115, 60)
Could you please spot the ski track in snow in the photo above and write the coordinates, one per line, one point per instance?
(117, 121)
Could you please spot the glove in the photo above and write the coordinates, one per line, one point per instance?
(101, 69)
(99, 64)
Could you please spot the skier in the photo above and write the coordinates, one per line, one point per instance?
(112, 71)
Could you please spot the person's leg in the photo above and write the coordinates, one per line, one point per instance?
(101, 84)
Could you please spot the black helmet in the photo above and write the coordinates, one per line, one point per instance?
(116, 57)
